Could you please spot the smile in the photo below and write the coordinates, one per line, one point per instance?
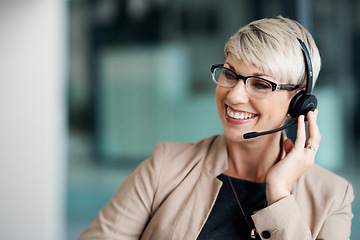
(239, 115)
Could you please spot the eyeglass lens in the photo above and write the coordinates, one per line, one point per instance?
(255, 86)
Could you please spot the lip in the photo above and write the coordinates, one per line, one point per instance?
(238, 121)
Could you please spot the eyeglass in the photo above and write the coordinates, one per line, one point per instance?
(255, 86)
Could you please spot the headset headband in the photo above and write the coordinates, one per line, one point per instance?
(308, 68)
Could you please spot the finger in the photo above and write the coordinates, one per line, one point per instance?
(313, 130)
(312, 143)
(300, 135)
(288, 145)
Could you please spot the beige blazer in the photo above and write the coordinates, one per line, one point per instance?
(170, 196)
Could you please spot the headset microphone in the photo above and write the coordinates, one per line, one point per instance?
(301, 103)
(257, 134)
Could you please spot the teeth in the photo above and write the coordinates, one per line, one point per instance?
(238, 115)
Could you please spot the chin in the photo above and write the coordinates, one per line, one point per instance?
(234, 136)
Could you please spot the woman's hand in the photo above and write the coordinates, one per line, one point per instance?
(299, 157)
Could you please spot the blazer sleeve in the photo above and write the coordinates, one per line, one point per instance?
(126, 214)
(284, 220)
(338, 224)
(281, 220)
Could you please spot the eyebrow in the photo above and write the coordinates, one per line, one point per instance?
(254, 74)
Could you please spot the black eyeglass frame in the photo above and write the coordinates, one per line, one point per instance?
(275, 86)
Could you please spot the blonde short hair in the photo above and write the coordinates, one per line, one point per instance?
(271, 44)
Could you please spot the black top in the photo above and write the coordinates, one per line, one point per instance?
(226, 220)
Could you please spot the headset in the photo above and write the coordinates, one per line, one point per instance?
(302, 103)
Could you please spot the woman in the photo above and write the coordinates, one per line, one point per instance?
(229, 187)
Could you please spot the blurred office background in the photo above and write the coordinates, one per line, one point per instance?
(90, 86)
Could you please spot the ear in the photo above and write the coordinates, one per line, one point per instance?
(293, 93)
(298, 90)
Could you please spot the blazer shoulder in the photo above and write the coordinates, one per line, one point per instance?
(184, 153)
(324, 184)
(325, 177)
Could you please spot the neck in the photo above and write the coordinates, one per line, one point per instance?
(251, 159)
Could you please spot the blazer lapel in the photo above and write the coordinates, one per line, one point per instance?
(204, 194)
(198, 207)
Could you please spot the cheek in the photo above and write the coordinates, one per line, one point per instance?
(220, 94)
(277, 108)
(283, 108)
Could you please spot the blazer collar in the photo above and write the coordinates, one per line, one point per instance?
(216, 161)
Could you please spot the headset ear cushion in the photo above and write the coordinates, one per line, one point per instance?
(301, 104)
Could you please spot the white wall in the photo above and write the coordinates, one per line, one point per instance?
(32, 119)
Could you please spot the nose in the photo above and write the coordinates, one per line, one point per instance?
(238, 93)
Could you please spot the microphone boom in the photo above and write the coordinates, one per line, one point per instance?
(257, 134)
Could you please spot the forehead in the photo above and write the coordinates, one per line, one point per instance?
(243, 68)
